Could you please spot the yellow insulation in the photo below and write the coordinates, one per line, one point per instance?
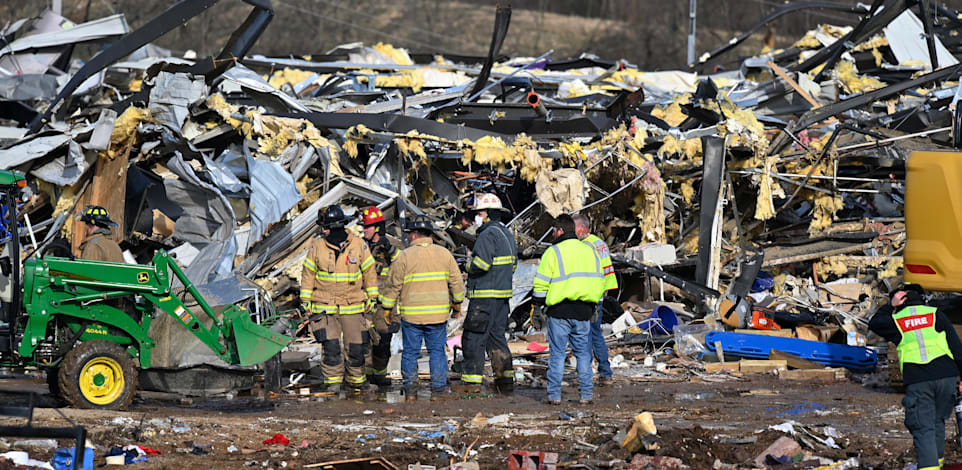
(353, 135)
(672, 113)
(649, 205)
(826, 206)
(493, 151)
(124, 133)
(399, 56)
(687, 191)
(273, 134)
(288, 75)
(853, 82)
(690, 148)
(411, 145)
(768, 188)
(833, 265)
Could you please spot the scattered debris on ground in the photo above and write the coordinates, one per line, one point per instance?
(754, 209)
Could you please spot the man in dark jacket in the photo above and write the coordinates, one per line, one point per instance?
(490, 270)
(930, 357)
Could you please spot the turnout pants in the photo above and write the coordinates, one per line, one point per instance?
(343, 336)
(927, 405)
(381, 348)
(484, 328)
(380, 356)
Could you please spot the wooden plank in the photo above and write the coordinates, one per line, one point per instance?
(715, 367)
(798, 89)
(794, 361)
(110, 189)
(811, 375)
(107, 189)
(783, 333)
(764, 366)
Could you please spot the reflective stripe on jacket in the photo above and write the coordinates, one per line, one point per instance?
(423, 282)
(342, 283)
(570, 270)
(492, 263)
(921, 343)
(611, 281)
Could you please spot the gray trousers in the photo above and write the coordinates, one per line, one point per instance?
(927, 405)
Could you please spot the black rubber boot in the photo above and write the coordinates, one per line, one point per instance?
(504, 386)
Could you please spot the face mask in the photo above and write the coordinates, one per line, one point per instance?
(478, 220)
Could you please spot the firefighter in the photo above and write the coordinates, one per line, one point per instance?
(598, 347)
(96, 245)
(490, 269)
(338, 286)
(570, 282)
(384, 253)
(930, 357)
(424, 283)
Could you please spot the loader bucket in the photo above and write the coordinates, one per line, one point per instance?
(252, 343)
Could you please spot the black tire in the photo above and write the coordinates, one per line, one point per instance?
(98, 360)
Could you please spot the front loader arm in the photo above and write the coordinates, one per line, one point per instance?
(78, 289)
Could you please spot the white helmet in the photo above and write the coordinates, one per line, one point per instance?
(487, 201)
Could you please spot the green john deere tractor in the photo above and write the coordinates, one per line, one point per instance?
(87, 322)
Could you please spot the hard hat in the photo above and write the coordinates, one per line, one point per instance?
(487, 201)
(420, 222)
(371, 216)
(331, 217)
(96, 215)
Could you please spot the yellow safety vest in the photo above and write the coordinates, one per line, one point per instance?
(570, 270)
(921, 343)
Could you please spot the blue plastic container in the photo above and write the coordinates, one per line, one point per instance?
(662, 321)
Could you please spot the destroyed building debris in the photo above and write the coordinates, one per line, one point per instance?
(762, 194)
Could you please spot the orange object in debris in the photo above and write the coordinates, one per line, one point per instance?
(763, 320)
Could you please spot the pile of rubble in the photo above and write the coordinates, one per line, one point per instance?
(765, 192)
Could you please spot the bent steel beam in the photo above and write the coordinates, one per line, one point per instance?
(501, 22)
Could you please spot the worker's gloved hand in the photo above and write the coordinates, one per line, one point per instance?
(392, 327)
(538, 318)
(304, 309)
(456, 310)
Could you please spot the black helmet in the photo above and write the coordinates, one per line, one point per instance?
(331, 217)
(420, 222)
(96, 215)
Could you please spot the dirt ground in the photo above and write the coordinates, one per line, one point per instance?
(697, 422)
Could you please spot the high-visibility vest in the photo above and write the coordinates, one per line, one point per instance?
(920, 344)
(611, 282)
(570, 270)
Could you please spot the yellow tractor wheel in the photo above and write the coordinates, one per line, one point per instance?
(98, 374)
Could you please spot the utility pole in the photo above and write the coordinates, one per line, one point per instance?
(57, 6)
(692, 13)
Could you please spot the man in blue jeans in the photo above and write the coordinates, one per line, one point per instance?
(424, 282)
(569, 283)
(598, 346)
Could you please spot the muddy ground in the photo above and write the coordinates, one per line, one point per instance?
(697, 422)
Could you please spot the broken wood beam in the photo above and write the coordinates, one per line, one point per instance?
(762, 366)
(794, 361)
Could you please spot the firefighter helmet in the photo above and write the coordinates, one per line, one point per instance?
(96, 215)
(420, 222)
(487, 201)
(371, 216)
(331, 217)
